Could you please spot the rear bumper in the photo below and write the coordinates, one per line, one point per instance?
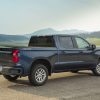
(12, 71)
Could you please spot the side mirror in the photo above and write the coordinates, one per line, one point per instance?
(93, 47)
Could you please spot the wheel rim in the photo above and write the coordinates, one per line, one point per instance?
(40, 75)
(98, 68)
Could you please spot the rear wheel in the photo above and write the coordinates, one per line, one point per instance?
(96, 70)
(11, 77)
(38, 75)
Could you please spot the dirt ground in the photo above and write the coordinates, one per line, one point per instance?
(62, 86)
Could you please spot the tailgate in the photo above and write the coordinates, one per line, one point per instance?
(6, 57)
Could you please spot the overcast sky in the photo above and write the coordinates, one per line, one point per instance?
(27, 16)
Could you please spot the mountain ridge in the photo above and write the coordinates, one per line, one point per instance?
(81, 33)
(48, 31)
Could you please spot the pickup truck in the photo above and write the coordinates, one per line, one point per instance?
(49, 54)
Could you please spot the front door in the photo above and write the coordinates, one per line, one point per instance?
(86, 54)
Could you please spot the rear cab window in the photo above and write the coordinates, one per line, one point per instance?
(42, 41)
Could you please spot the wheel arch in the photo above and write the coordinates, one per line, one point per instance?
(44, 61)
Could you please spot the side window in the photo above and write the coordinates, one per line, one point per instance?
(81, 43)
(66, 42)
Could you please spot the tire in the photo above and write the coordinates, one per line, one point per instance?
(38, 75)
(96, 70)
(74, 71)
(11, 77)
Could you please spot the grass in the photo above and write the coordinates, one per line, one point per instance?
(95, 41)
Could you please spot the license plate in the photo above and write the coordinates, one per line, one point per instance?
(0, 68)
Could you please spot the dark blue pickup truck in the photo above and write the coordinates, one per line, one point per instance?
(49, 54)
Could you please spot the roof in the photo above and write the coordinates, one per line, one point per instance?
(38, 35)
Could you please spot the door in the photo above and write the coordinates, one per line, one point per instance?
(86, 54)
(68, 54)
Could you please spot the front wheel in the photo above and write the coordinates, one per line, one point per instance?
(11, 77)
(38, 75)
(96, 70)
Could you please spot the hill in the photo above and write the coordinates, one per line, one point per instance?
(23, 40)
(90, 35)
(13, 40)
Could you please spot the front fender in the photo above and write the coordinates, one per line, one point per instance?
(97, 52)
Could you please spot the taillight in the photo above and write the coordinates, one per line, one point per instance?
(15, 54)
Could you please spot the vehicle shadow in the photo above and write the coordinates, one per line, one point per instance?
(56, 86)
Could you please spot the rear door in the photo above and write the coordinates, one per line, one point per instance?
(68, 54)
